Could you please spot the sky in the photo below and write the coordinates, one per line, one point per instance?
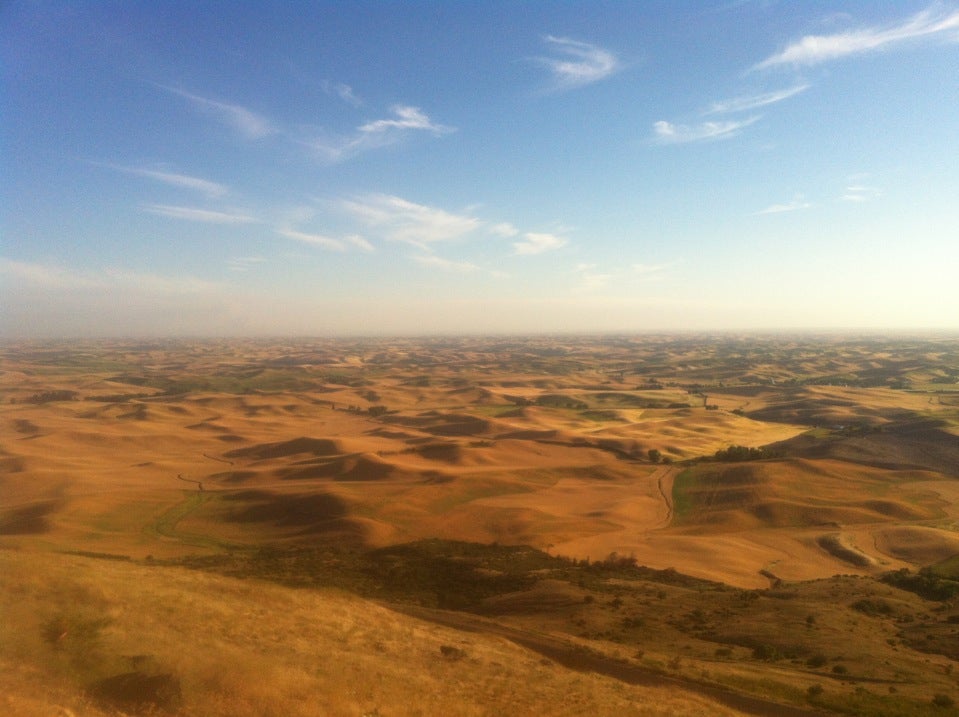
(373, 168)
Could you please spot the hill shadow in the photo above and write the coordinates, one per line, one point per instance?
(303, 513)
(916, 442)
(28, 519)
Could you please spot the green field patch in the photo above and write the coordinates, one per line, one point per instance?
(234, 382)
(948, 568)
(683, 503)
(166, 525)
(557, 400)
(129, 518)
(647, 399)
(492, 410)
(604, 416)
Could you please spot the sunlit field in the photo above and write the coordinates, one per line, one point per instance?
(645, 524)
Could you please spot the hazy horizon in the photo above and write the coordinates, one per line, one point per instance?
(422, 168)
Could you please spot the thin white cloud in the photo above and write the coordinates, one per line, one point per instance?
(194, 214)
(751, 102)
(337, 148)
(55, 278)
(45, 276)
(341, 90)
(343, 244)
(504, 229)
(246, 123)
(579, 64)
(589, 279)
(244, 263)
(158, 284)
(314, 239)
(398, 219)
(860, 193)
(669, 133)
(378, 133)
(183, 181)
(814, 49)
(406, 118)
(436, 262)
(359, 242)
(537, 243)
(798, 203)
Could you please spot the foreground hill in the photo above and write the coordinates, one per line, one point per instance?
(82, 636)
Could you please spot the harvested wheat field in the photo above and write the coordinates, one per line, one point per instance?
(473, 526)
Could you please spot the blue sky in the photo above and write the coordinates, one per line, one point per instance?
(211, 168)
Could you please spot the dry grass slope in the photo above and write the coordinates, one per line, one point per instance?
(238, 648)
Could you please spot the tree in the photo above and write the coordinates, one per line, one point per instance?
(654, 455)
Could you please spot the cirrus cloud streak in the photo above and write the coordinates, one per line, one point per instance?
(669, 133)
(815, 49)
(537, 243)
(195, 214)
(583, 63)
(398, 219)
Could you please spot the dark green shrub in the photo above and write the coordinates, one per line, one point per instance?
(941, 700)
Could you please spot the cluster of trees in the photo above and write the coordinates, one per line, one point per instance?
(554, 400)
(48, 396)
(373, 411)
(655, 456)
(742, 453)
(925, 583)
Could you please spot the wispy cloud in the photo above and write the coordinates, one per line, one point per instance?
(341, 90)
(55, 278)
(314, 239)
(248, 124)
(194, 214)
(359, 242)
(579, 63)
(244, 263)
(405, 118)
(650, 270)
(433, 261)
(814, 49)
(797, 203)
(45, 276)
(183, 181)
(860, 193)
(341, 245)
(369, 135)
(379, 133)
(751, 102)
(157, 283)
(504, 229)
(669, 133)
(398, 219)
(590, 279)
(537, 243)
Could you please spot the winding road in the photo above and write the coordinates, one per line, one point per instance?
(664, 481)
